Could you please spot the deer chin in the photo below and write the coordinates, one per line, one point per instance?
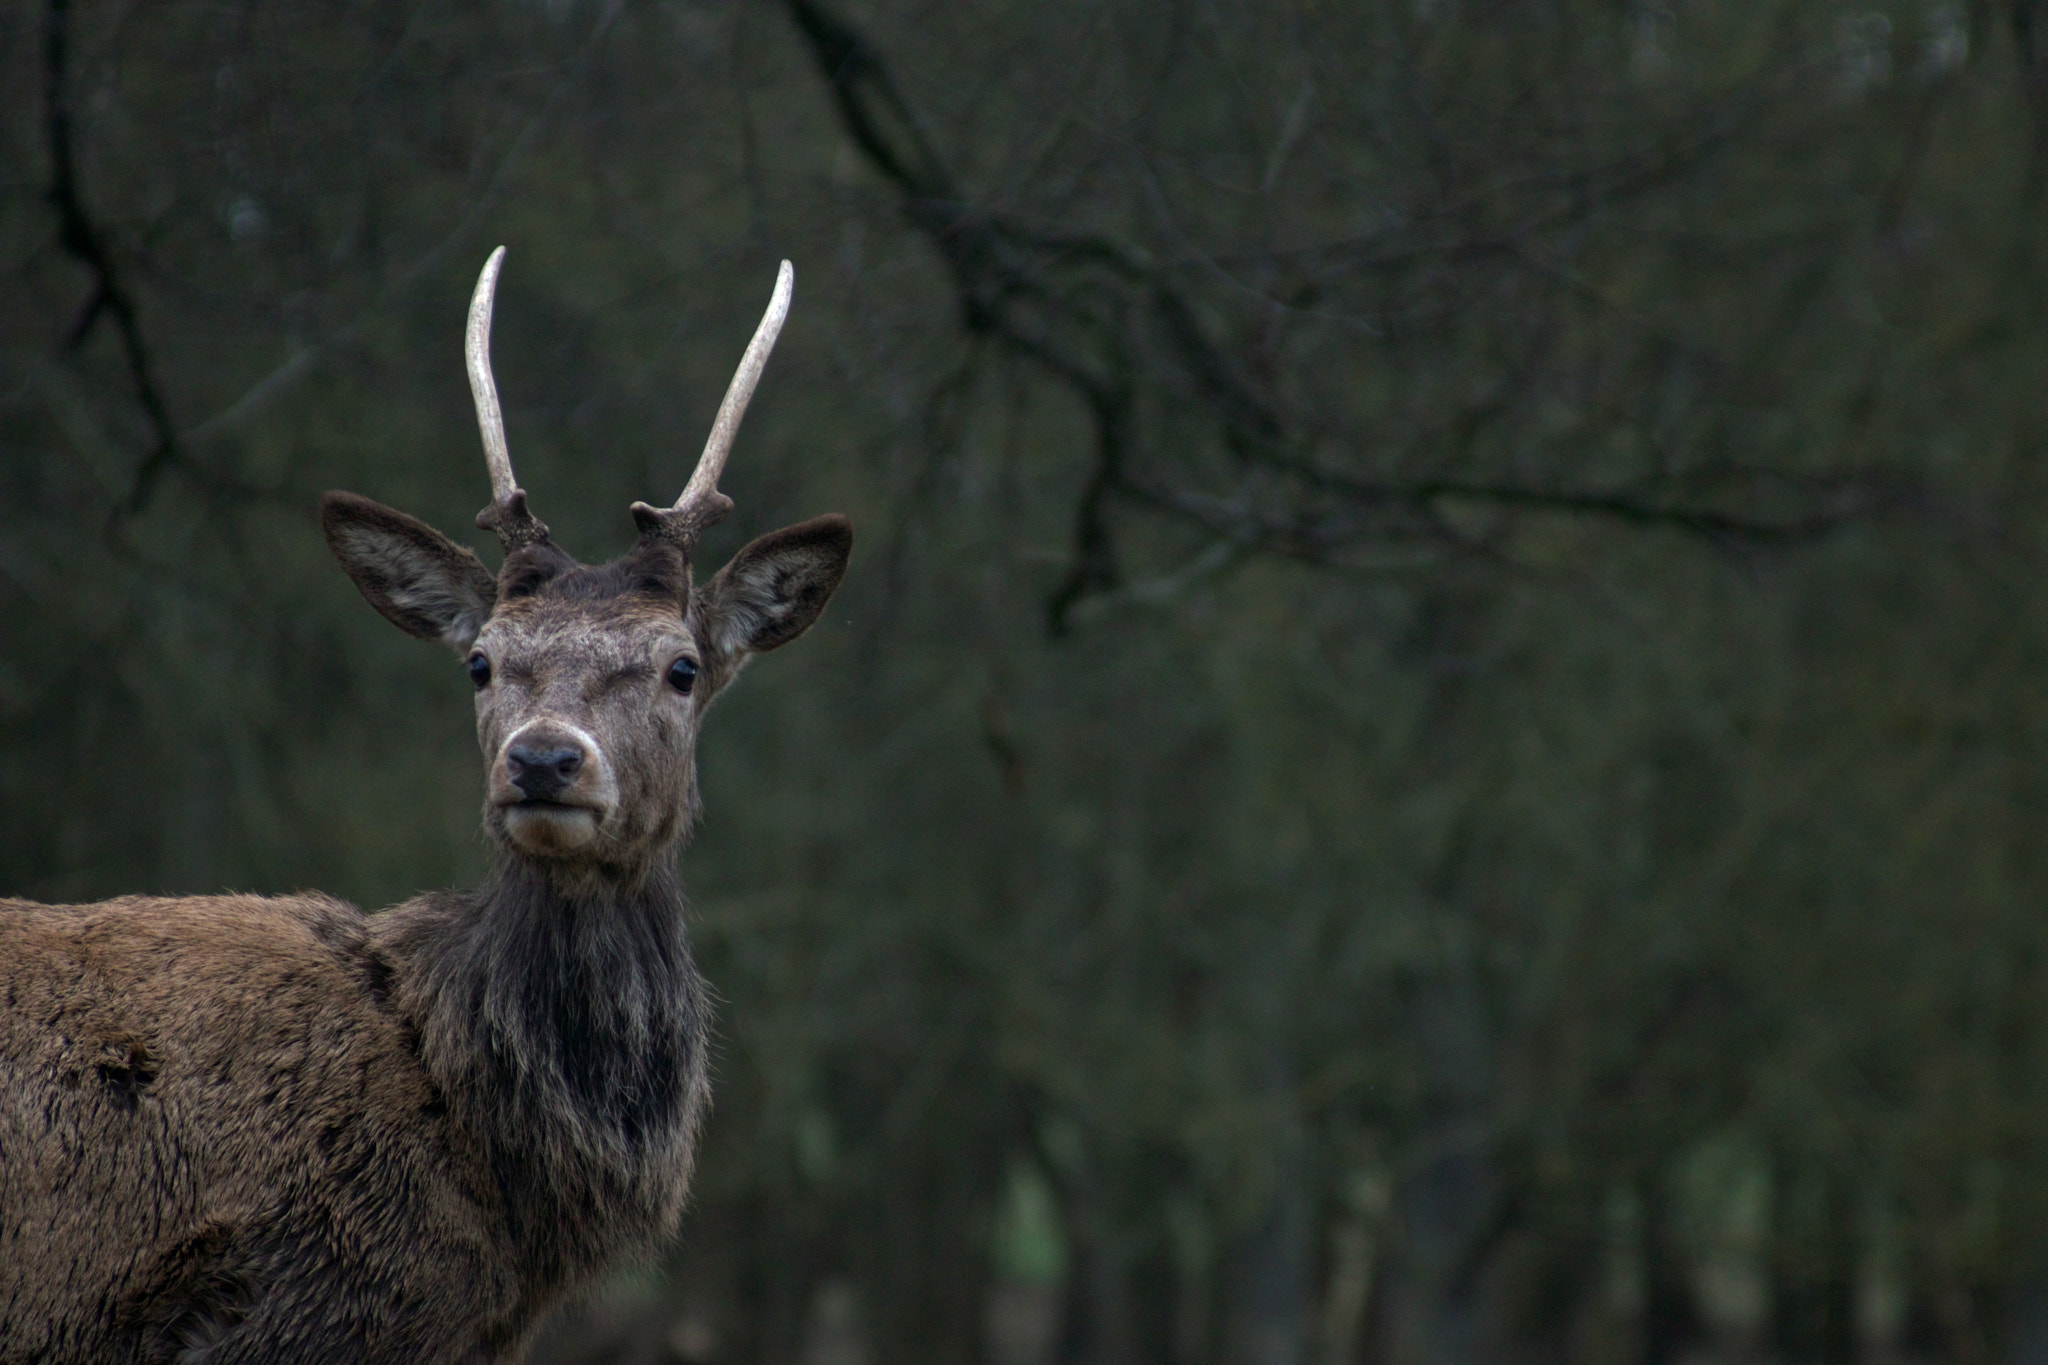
(550, 830)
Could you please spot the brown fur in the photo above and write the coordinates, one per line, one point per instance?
(237, 1129)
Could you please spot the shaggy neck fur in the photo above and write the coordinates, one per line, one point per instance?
(575, 1008)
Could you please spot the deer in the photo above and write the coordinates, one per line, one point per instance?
(240, 1129)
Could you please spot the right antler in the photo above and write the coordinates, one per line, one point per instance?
(701, 504)
(507, 515)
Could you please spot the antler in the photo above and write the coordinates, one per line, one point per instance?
(701, 504)
(507, 514)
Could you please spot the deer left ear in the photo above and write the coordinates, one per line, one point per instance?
(774, 589)
(423, 582)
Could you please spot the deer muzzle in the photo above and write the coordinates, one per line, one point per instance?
(554, 787)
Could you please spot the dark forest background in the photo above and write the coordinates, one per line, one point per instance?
(1437, 747)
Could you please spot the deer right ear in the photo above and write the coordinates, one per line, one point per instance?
(423, 582)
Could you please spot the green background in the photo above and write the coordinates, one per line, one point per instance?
(1434, 748)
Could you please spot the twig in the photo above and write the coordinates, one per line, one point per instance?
(80, 237)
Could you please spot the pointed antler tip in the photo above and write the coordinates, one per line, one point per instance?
(487, 282)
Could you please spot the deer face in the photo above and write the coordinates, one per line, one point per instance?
(587, 714)
(591, 680)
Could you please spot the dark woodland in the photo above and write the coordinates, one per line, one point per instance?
(1436, 748)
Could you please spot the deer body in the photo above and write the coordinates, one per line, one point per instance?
(271, 1125)
(241, 1129)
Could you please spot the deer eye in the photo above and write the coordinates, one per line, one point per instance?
(479, 671)
(682, 675)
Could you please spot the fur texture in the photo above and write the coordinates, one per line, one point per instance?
(236, 1129)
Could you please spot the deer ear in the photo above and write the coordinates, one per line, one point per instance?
(771, 591)
(423, 582)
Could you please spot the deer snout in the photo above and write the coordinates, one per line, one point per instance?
(542, 774)
(554, 787)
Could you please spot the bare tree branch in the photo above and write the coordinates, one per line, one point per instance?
(1075, 304)
(81, 238)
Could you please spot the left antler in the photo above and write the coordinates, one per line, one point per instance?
(701, 504)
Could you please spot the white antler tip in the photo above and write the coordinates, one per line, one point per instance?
(487, 285)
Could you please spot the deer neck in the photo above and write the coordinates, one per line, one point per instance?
(566, 1023)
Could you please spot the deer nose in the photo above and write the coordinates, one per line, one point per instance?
(542, 773)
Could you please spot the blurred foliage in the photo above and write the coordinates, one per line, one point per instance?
(1434, 752)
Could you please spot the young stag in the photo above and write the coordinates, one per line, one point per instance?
(237, 1129)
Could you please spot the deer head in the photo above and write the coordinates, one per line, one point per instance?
(591, 680)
